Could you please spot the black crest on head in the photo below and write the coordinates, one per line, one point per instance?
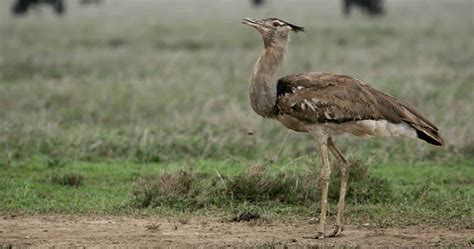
(293, 27)
(296, 28)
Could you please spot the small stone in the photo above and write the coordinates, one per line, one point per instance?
(247, 216)
(313, 220)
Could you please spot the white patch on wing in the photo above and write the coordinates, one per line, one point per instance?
(384, 128)
(310, 105)
(328, 117)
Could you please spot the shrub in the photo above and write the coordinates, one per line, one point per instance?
(256, 185)
(175, 189)
(187, 190)
(362, 186)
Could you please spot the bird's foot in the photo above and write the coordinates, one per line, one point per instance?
(335, 232)
(320, 235)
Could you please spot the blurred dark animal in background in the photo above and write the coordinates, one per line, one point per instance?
(86, 2)
(258, 3)
(371, 7)
(21, 7)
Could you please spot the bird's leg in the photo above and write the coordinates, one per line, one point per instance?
(344, 167)
(325, 173)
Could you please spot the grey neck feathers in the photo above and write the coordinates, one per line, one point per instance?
(263, 82)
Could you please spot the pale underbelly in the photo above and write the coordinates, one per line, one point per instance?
(362, 128)
(370, 128)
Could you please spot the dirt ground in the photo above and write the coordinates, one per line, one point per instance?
(61, 230)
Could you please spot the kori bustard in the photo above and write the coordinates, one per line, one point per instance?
(326, 105)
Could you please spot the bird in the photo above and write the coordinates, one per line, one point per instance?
(326, 105)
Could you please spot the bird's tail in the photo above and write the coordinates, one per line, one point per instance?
(429, 134)
(425, 130)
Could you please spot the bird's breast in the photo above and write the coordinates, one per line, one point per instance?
(292, 123)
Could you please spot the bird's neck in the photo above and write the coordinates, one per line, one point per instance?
(263, 82)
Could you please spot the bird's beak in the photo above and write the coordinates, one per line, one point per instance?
(251, 22)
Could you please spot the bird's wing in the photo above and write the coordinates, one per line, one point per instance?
(324, 97)
(331, 98)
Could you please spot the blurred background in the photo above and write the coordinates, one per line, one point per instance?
(157, 81)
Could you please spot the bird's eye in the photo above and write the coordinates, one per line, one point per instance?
(275, 24)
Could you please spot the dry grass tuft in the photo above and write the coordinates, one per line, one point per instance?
(256, 184)
(186, 189)
(68, 179)
(177, 189)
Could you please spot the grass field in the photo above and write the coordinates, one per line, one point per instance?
(95, 105)
(423, 193)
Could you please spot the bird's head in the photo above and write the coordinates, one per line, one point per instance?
(272, 29)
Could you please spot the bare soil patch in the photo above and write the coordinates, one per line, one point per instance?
(61, 230)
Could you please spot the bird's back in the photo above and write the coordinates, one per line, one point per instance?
(337, 100)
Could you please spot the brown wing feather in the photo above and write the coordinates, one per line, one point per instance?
(325, 97)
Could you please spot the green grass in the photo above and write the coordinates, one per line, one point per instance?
(422, 193)
(99, 100)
